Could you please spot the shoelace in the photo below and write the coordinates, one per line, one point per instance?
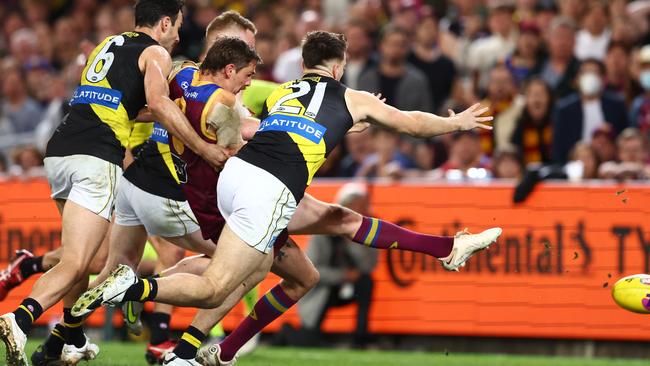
(4, 275)
(465, 231)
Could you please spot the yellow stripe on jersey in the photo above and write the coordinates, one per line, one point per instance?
(204, 115)
(116, 119)
(314, 154)
(195, 77)
(177, 66)
(166, 154)
(140, 133)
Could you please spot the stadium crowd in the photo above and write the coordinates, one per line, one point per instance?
(567, 80)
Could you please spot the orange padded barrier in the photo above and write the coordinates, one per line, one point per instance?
(548, 277)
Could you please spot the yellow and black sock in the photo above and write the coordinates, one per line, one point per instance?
(189, 343)
(54, 343)
(143, 290)
(74, 332)
(27, 313)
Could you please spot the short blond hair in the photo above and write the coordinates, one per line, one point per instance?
(230, 19)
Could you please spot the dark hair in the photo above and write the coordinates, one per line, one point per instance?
(597, 62)
(525, 115)
(229, 19)
(392, 29)
(229, 50)
(321, 46)
(618, 44)
(361, 23)
(149, 12)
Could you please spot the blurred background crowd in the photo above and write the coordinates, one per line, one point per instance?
(568, 81)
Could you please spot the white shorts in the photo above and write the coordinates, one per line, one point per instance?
(160, 216)
(85, 180)
(256, 205)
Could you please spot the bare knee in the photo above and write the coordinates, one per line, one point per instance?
(74, 266)
(311, 279)
(98, 262)
(297, 288)
(212, 294)
(349, 220)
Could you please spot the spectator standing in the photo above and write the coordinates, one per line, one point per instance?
(593, 38)
(527, 54)
(404, 86)
(501, 91)
(560, 67)
(288, 65)
(345, 274)
(578, 116)
(21, 112)
(640, 110)
(527, 126)
(485, 52)
(617, 78)
(428, 58)
(359, 52)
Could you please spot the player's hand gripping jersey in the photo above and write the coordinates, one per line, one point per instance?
(105, 104)
(166, 168)
(302, 122)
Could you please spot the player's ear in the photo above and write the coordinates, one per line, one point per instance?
(165, 23)
(230, 70)
(337, 71)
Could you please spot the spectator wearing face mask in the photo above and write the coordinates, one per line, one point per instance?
(640, 110)
(579, 115)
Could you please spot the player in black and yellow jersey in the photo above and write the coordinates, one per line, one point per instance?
(259, 190)
(84, 159)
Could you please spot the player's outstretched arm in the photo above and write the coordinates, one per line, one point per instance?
(156, 65)
(366, 107)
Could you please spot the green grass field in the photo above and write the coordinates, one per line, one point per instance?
(132, 354)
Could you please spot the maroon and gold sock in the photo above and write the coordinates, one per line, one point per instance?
(381, 234)
(266, 310)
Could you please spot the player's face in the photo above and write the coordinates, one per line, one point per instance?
(242, 78)
(170, 36)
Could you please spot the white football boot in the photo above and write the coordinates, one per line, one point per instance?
(172, 360)
(466, 244)
(110, 292)
(132, 311)
(250, 346)
(14, 339)
(71, 355)
(210, 355)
